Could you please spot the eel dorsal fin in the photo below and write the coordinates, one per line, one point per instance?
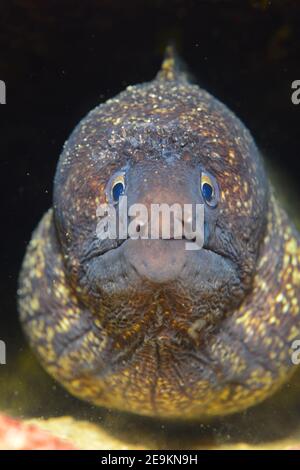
(172, 68)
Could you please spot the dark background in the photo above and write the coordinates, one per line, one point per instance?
(61, 58)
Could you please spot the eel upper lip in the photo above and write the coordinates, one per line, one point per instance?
(96, 251)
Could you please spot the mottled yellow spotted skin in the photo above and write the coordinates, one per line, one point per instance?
(83, 342)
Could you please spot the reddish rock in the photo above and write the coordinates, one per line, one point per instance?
(16, 435)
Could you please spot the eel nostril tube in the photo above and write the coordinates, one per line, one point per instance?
(138, 228)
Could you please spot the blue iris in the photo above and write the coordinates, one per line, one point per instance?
(207, 191)
(117, 191)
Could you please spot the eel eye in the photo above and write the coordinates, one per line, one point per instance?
(117, 187)
(209, 189)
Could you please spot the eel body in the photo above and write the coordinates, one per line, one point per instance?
(147, 326)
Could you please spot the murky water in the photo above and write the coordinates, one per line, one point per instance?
(57, 65)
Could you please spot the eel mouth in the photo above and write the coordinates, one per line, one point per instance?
(96, 250)
(131, 262)
(160, 260)
(116, 246)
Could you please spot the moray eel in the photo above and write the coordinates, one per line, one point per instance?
(146, 326)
